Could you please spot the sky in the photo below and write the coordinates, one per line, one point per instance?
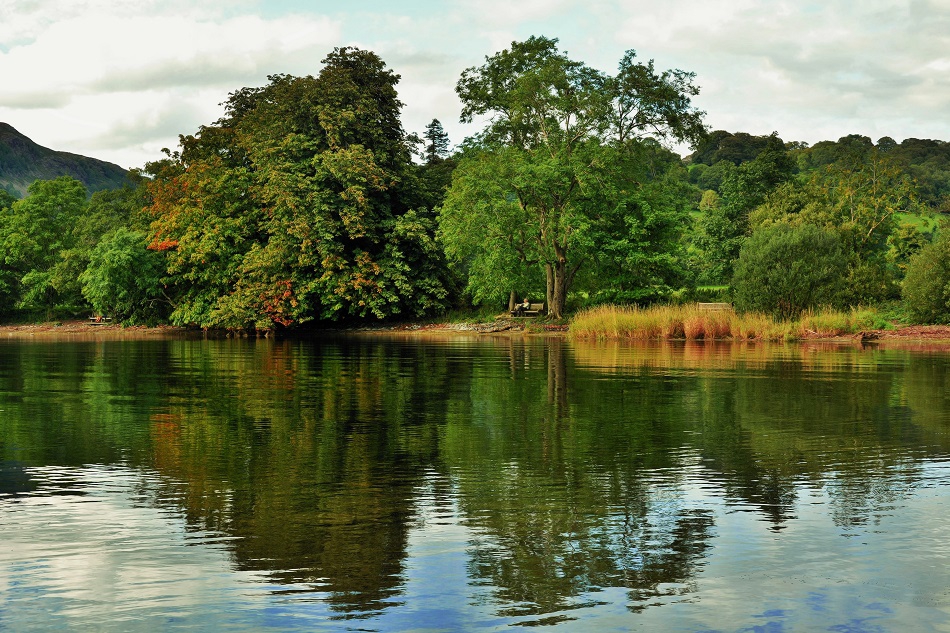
(120, 80)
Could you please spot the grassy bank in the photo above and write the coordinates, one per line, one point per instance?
(690, 322)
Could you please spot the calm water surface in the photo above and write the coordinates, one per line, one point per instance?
(468, 484)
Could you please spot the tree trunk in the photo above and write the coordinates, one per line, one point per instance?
(511, 301)
(549, 292)
(559, 297)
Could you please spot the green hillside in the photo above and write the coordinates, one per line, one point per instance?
(22, 161)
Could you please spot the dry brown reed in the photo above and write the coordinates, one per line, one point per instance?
(691, 322)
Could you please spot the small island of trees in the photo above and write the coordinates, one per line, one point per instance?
(308, 203)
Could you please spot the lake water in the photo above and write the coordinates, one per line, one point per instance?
(453, 483)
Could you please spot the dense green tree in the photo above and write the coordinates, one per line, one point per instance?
(723, 227)
(858, 198)
(926, 287)
(37, 234)
(299, 204)
(927, 162)
(205, 221)
(736, 148)
(709, 200)
(542, 180)
(637, 252)
(784, 270)
(886, 144)
(107, 210)
(123, 278)
(8, 274)
(852, 148)
(6, 199)
(434, 175)
(713, 177)
(499, 250)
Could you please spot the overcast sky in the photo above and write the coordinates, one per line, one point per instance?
(119, 80)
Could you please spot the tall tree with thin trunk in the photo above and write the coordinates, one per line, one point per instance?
(542, 179)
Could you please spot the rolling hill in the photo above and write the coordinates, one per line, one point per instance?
(22, 161)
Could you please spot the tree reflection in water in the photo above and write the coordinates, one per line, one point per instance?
(570, 465)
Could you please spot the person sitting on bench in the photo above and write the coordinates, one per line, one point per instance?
(522, 307)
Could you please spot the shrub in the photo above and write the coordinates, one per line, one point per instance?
(784, 270)
(926, 288)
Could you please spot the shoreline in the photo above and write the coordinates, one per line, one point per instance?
(929, 335)
(84, 329)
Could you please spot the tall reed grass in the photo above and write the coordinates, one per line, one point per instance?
(691, 322)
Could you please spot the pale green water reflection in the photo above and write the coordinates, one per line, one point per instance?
(451, 484)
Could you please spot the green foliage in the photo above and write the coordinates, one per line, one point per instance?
(783, 270)
(734, 148)
(725, 225)
(38, 237)
(709, 200)
(437, 142)
(480, 212)
(635, 245)
(926, 287)
(847, 149)
(905, 241)
(852, 185)
(123, 278)
(298, 206)
(547, 188)
(434, 176)
(713, 177)
(926, 162)
(857, 198)
(6, 199)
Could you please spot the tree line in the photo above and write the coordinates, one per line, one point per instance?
(308, 202)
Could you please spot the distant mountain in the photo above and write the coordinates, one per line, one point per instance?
(22, 161)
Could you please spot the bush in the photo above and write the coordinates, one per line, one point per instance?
(926, 288)
(784, 270)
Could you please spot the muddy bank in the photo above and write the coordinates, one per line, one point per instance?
(498, 325)
(928, 335)
(82, 330)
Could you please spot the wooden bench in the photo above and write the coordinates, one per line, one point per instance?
(533, 310)
(714, 306)
(99, 320)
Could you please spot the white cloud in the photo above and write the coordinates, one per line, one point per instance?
(117, 76)
(803, 69)
(105, 69)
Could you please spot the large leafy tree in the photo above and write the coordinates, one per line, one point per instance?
(37, 235)
(123, 278)
(536, 189)
(299, 204)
